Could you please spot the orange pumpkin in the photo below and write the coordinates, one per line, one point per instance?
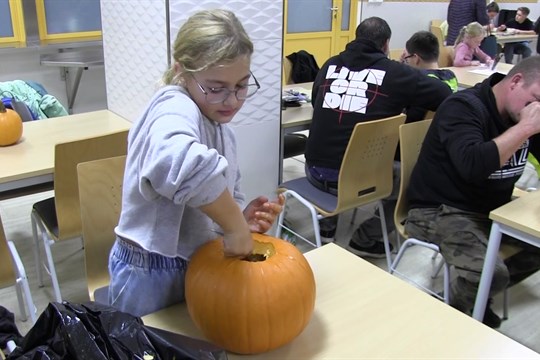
(250, 305)
(11, 127)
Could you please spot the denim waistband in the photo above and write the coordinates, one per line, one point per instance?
(128, 252)
(317, 179)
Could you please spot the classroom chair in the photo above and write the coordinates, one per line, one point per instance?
(365, 177)
(12, 272)
(59, 218)
(411, 137)
(100, 194)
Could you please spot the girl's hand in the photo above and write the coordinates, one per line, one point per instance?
(475, 63)
(261, 213)
(238, 243)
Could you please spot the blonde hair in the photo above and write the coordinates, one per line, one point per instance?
(208, 38)
(471, 30)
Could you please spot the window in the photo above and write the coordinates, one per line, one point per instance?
(69, 19)
(12, 23)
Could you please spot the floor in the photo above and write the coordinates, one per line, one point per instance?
(522, 324)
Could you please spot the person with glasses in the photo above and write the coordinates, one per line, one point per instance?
(422, 52)
(181, 184)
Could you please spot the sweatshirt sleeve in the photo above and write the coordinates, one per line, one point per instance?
(176, 164)
(481, 13)
(482, 55)
(462, 133)
(461, 57)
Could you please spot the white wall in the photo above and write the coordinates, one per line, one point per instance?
(135, 50)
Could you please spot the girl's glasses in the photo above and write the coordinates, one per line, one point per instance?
(217, 95)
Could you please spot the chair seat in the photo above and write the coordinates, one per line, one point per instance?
(46, 210)
(319, 198)
(294, 144)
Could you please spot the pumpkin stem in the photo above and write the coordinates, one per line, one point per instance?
(2, 107)
(261, 251)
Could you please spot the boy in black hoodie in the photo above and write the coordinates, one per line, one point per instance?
(362, 84)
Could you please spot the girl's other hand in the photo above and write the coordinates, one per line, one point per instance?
(261, 213)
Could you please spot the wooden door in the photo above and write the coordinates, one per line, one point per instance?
(321, 27)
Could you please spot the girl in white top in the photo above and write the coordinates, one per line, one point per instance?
(181, 186)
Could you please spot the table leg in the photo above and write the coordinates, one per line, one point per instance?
(72, 87)
(487, 271)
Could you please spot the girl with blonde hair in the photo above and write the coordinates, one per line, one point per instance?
(181, 185)
(467, 46)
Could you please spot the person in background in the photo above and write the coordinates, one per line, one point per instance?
(463, 12)
(181, 184)
(467, 47)
(473, 153)
(521, 24)
(492, 10)
(377, 88)
(422, 52)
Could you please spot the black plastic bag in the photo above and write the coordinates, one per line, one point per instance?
(94, 331)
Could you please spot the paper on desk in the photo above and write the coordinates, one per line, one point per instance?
(486, 72)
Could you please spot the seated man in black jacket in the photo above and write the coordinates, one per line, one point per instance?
(521, 24)
(473, 153)
(377, 87)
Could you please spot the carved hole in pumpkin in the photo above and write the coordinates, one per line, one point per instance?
(261, 251)
(254, 257)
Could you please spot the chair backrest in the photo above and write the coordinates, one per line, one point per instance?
(366, 170)
(438, 32)
(100, 193)
(436, 22)
(446, 56)
(411, 138)
(7, 274)
(66, 193)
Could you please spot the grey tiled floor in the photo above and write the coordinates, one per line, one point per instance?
(524, 298)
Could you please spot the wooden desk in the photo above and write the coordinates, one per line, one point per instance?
(362, 311)
(520, 218)
(503, 39)
(297, 118)
(466, 78)
(31, 161)
(294, 119)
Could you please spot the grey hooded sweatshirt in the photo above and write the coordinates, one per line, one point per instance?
(178, 160)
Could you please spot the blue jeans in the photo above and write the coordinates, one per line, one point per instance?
(143, 282)
(520, 48)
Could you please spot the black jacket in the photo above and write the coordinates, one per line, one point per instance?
(459, 161)
(362, 84)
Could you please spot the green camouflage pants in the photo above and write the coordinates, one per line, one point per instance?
(462, 237)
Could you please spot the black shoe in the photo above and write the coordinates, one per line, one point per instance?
(374, 251)
(490, 318)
